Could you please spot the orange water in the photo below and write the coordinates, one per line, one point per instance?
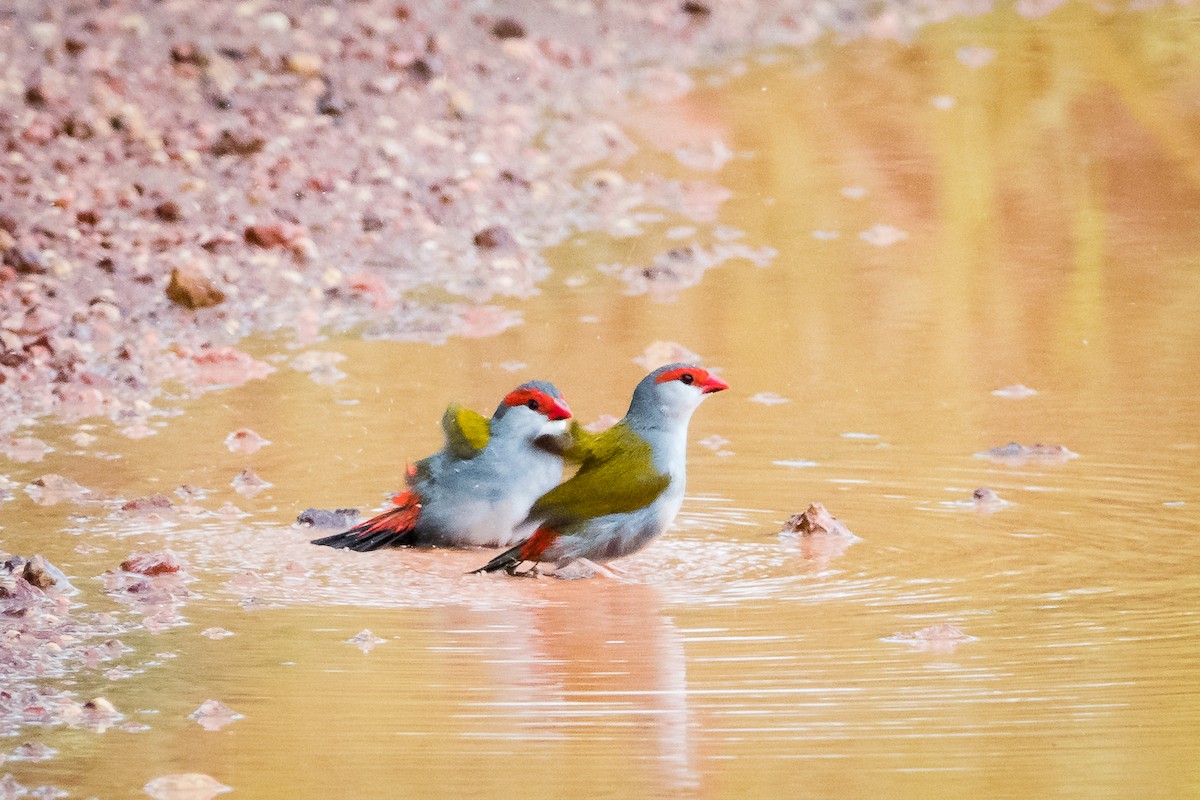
(1050, 209)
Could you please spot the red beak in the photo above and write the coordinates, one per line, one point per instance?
(713, 384)
(560, 410)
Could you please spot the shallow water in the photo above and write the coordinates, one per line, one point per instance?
(1046, 175)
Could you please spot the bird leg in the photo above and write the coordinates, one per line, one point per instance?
(532, 572)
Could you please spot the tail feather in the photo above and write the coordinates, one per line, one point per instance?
(529, 550)
(394, 528)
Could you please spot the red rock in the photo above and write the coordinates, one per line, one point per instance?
(226, 366)
(816, 520)
(494, 238)
(153, 503)
(508, 28)
(191, 289)
(168, 211)
(188, 53)
(237, 144)
(161, 563)
(266, 236)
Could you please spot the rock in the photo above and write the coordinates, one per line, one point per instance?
(51, 489)
(10, 789)
(24, 261)
(508, 28)
(185, 786)
(38, 572)
(421, 70)
(940, 638)
(100, 705)
(192, 290)
(300, 63)
(816, 521)
(188, 53)
(212, 715)
(35, 96)
(245, 441)
(330, 102)
(1015, 454)
(168, 211)
(225, 366)
(365, 640)
(237, 144)
(153, 504)
(266, 236)
(32, 751)
(163, 562)
(985, 499)
(216, 633)
(24, 449)
(339, 518)
(494, 238)
(247, 484)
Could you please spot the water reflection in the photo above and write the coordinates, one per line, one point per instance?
(603, 664)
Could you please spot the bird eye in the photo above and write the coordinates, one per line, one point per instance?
(534, 405)
(687, 378)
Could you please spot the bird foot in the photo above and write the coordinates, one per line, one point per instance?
(532, 572)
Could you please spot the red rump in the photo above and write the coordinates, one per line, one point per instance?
(399, 520)
(410, 477)
(537, 544)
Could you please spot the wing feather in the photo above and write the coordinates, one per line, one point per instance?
(605, 483)
(467, 432)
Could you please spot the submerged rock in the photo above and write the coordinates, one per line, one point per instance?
(245, 441)
(940, 638)
(153, 504)
(212, 715)
(1015, 454)
(160, 563)
(340, 518)
(984, 499)
(185, 786)
(365, 640)
(51, 489)
(248, 484)
(816, 521)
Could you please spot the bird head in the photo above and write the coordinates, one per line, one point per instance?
(673, 392)
(533, 410)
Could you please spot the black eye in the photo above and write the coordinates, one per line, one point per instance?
(533, 404)
(687, 378)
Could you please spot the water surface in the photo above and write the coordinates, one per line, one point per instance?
(1004, 201)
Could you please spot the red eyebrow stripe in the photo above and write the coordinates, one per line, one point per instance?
(519, 397)
(673, 375)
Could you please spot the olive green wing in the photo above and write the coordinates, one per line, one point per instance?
(467, 432)
(616, 476)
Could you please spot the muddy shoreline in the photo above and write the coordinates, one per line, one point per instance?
(170, 187)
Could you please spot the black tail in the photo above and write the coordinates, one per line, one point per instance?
(393, 528)
(506, 561)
